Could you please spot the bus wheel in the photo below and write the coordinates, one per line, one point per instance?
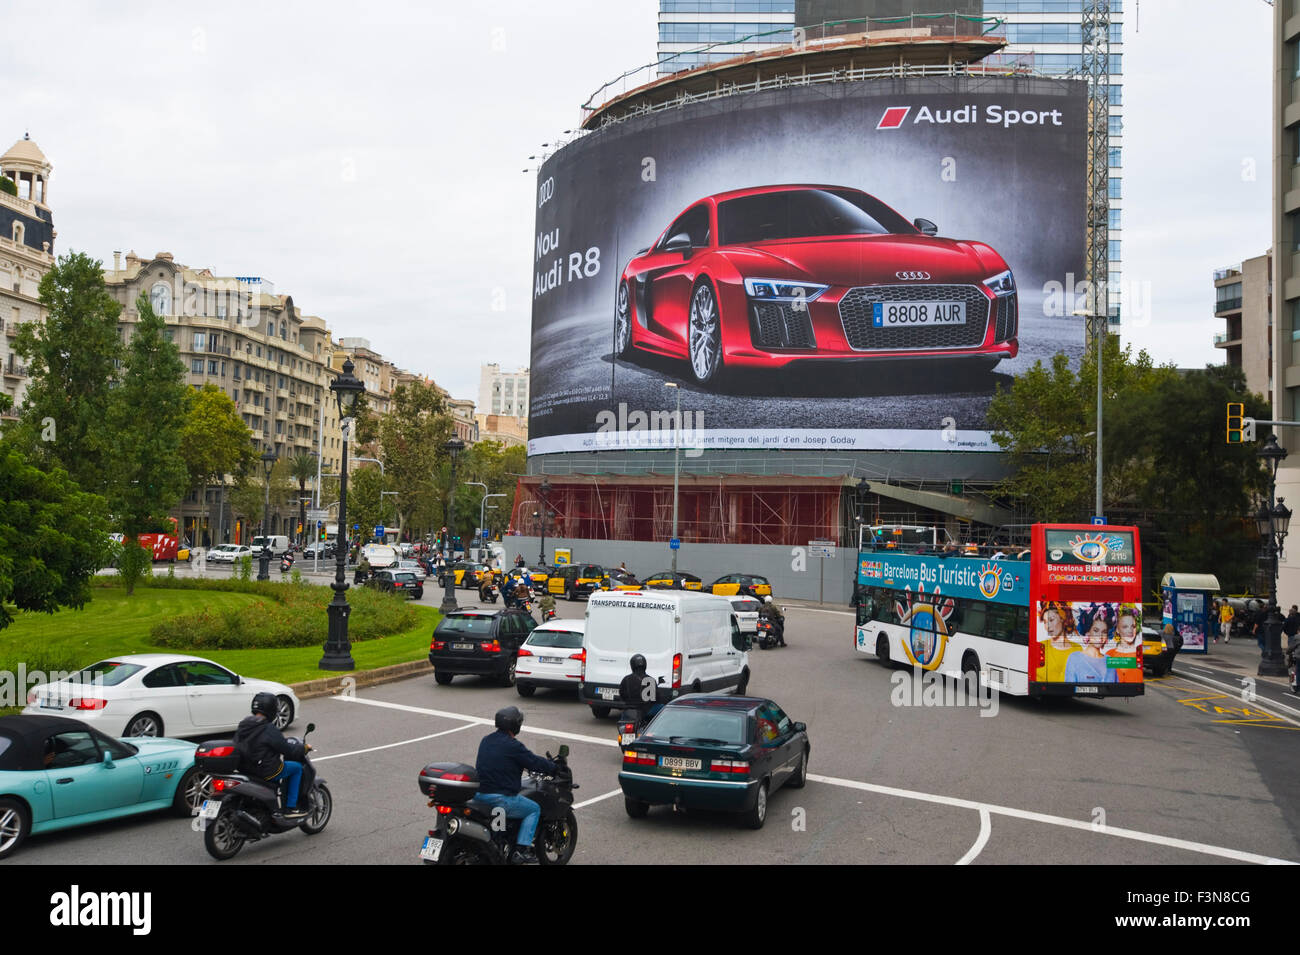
(882, 651)
(970, 675)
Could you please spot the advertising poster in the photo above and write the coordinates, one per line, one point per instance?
(837, 266)
(1089, 642)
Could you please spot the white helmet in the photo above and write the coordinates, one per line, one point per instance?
(767, 599)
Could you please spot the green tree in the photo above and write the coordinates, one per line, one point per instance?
(246, 503)
(497, 466)
(215, 442)
(53, 537)
(410, 439)
(71, 359)
(8, 186)
(365, 501)
(302, 468)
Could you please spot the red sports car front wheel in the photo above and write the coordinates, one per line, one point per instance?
(622, 322)
(705, 339)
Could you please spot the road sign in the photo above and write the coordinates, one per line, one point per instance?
(379, 530)
(1099, 520)
(675, 544)
(317, 513)
(821, 548)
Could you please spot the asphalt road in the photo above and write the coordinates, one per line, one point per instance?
(1165, 778)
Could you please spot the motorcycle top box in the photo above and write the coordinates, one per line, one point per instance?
(451, 784)
(217, 757)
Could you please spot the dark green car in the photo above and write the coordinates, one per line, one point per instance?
(705, 751)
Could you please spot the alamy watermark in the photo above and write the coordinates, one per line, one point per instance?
(653, 429)
(19, 687)
(929, 688)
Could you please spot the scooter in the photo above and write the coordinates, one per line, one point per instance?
(243, 809)
(470, 833)
(631, 724)
(548, 615)
(489, 595)
(770, 633)
(286, 563)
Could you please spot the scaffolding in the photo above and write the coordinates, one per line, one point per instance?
(1096, 68)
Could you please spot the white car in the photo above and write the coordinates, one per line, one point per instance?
(746, 611)
(157, 694)
(412, 567)
(551, 656)
(227, 553)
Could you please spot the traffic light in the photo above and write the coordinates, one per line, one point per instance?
(1236, 411)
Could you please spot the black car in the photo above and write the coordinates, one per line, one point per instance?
(397, 582)
(705, 751)
(482, 642)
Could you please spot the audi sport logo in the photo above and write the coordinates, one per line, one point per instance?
(913, 276)
(893, 118)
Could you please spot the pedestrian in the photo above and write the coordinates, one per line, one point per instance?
(1292, 625)
(1225, 620)
(1261, 626)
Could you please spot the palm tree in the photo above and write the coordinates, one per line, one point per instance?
(302, 467)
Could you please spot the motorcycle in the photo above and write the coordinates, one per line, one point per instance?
(469, 833)
(286, 563)
(770, 633)
(243, 809)
(487, 594)
(548, 614)
(631, 724)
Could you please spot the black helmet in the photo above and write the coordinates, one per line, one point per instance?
(266, 704)
(638, 663)
(510, 720)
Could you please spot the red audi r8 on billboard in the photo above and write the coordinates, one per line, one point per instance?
(760, 278)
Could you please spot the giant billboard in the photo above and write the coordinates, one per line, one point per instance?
(851, 265)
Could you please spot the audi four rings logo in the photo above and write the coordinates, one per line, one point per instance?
(913, 276)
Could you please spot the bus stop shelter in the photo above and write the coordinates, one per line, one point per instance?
(1186, 601)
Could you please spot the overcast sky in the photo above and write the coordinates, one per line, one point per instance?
(369, 159)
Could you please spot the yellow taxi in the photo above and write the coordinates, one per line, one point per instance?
(1157, 655)
(620, 580)
(667, 580)
(732, 584)
(467, 574)
(576, 580)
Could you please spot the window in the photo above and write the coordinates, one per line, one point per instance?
(206, 674)
(200, 341)
(1113, 218)
(223, 369)
(270, 329)
(695, 223)
(1115, 157)
(259, 351)
(235, 371)
(196, 366)
(1112, 250)
(1116, 125)
(235, 396)
(212, 367)
(160, 297)
(66, 750)
(1115, 187)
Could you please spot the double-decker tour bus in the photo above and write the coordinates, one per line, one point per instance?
(1063, 618)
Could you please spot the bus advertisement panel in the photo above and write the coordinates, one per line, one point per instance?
(962, 615)
(1086, 587)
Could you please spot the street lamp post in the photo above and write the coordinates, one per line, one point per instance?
(544, 492)
(453, 447)
(1100, 318)
(338, 649)
(677, 462)
(264, 558)
(1272, 521)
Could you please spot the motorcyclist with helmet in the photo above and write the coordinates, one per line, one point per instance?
(265, 754)
(773, 613)
(501, 761)
(638, 691)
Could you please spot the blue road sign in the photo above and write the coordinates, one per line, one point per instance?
(379, 530)
(675, 544)
(1099, 520)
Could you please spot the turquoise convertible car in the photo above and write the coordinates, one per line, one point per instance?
(56, 773)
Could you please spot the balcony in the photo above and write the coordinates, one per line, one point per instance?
(1221, 340)
(1227, 305)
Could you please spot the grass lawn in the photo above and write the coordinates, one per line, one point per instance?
(112, 624)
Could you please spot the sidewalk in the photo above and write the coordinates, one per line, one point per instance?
(1240, 656)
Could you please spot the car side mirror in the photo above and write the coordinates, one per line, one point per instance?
(926, 226)
(564, 752)
(799, 728)
(108, 759)
(311, 727)
(681, 242)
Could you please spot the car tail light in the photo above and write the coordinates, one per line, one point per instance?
(490, 646)
(444, 810)
(636, 758)
(677, 670)
(730, 766)
(580, 655)
(87, 703)
(398, 583)
(524, 652)
(438, 645)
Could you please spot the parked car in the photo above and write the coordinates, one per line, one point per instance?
(149, 694)
(396, 581)
(551, 657)
(729, 753)
(620, 580)
(667, 580)
(731, 584)
(482, 641)
(576, 580)
(99, 777)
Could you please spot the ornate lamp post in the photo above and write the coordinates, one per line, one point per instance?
(338, 649)
(1272, 521)
(543, 492)
(264, 558)
(453, 447)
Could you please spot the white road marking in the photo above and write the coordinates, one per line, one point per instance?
(478, 720)
(1201, 847)
(1234, 854)
(986, 829)
(616, 792)
(405, 742)
(842, 613)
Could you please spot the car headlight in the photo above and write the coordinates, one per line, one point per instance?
(1004, 283)
(783, 290)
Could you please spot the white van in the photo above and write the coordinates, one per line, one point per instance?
(278, 543)
(380, 556)
(691, 643)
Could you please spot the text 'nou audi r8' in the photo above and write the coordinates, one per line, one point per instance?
(760, 278)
